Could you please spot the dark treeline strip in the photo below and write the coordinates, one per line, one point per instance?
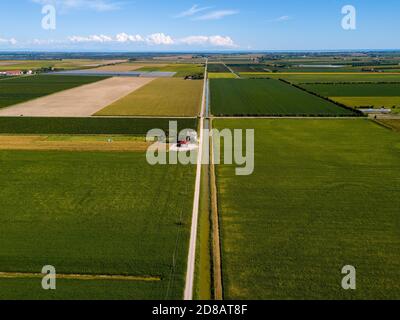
(124, 126)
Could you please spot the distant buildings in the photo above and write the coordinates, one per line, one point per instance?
(14, 73)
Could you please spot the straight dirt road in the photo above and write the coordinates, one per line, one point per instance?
(188, 294)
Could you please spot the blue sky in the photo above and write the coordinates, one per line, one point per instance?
(190, 25)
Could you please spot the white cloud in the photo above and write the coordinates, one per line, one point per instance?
(93, 38)
(281, 19)
(11, 41)
(156, 39)
(216, 15)
(215, 41)
(159, 39)
(192, 11)
(220, 41)
(123, 37)
(153, 39)
(194, 40)
(96, 5)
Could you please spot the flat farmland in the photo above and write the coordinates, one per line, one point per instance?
(325, 77)
(220, 75)
(251, 67)
(375, 95)
(324, 194)
(267, 97)
(355, 90)
(82, 101)
(88, 126)
(391, 123)
(66, 64)
(74, 143)
(162, 97)
(182, 70)
(128, 66)
(22, 89)
(94, 213)
(217, 68)
(374, 102)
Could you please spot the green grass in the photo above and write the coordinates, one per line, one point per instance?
(267, 97)
(161, 97)
(355, 90)
(95, 213)
(127, 126)
(324, 194)
(23, 89)
(326, 77)
(182, 70)
(203, 273)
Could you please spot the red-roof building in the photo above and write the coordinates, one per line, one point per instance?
(14, 73)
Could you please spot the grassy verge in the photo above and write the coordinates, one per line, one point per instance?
(203, 290)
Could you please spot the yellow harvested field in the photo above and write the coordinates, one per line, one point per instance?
(125, 67)
(119, 68)
(82, 101)
(376, 102)
(173, 97)
(72, 143)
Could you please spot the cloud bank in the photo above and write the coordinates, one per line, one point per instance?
(157, 39)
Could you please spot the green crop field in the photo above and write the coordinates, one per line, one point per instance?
(122, 126)
(94, 213)
(267, 97)
(251, 67)
(21, 89)
(161, 97)
(182, 70)
(30, 289)
(326, 77)
(355, 90)
(374, 95)
(217, 68)
(324, 194)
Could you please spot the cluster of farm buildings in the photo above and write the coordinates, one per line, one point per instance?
(14, 73)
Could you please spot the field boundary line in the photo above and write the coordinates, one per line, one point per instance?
(341, 105)
(289, 117)
(191, 263)
(231, 71)
(86, 277)
(216, 235)
(385, 125)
